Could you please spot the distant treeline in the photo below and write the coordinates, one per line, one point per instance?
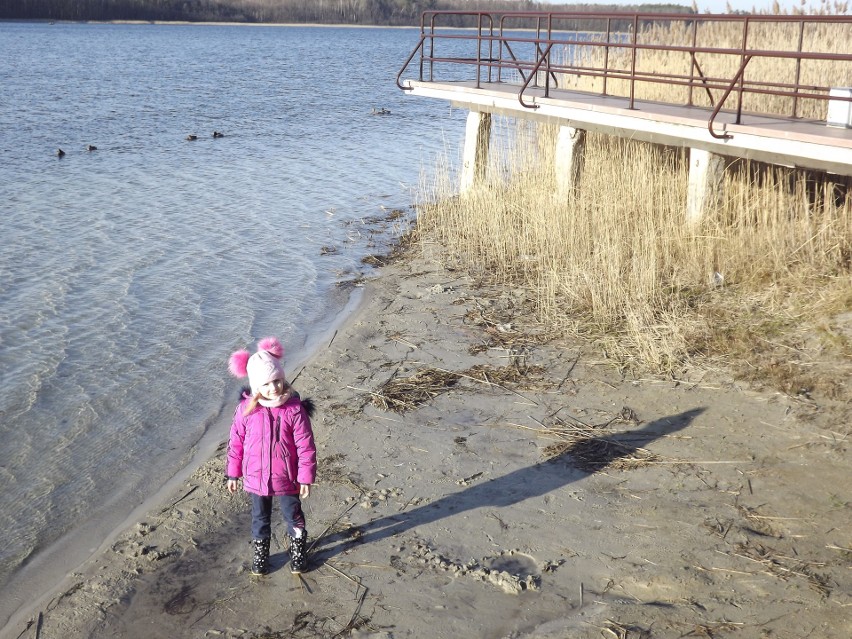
(373, 12)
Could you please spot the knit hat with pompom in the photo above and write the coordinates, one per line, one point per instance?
(262, 367)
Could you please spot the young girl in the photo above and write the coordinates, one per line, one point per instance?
(272, 449)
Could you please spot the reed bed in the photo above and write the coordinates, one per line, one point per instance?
(614, 261)
(816, 37)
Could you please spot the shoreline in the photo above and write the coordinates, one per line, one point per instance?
(217, 24)
(465, 498)
(34, 584)
(313, 25)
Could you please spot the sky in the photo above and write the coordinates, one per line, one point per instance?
(707, 6)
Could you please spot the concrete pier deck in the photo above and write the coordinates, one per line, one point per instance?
(778, 140)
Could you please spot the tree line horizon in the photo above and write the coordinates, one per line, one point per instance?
(342, 12)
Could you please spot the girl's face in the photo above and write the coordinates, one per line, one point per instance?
(273, 389)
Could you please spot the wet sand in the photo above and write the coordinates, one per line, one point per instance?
(479, 480)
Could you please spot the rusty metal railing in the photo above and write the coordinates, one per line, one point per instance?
(541, 50)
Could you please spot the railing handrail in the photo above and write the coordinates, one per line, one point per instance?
(533, 72)
(651, 17)
(737, 77)
(407, 62)
(513, 24)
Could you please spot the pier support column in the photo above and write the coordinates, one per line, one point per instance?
(569, 158)
(476, 142)
(706, 175)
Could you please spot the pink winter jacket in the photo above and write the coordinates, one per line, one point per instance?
(272, 449)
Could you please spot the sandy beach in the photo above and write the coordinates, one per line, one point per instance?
(479, 479)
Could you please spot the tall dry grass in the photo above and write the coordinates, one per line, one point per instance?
(763, 283)
(720, 69)
(614, 261)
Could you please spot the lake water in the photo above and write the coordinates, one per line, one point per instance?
(128, 274)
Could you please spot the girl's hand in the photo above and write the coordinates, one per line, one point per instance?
(232, 486)
(305, 491)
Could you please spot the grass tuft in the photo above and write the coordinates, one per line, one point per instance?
(763, 284)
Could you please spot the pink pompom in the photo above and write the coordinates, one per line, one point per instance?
(271, 346)
(238, 362)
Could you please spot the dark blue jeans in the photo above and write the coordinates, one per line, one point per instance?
(261, 515)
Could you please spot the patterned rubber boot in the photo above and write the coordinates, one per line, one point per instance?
(260, 562)
(298, 552)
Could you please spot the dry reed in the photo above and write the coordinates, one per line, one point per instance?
(401, 394)
(783, 567)
(615, 261)
(592, 447)
(819, 37)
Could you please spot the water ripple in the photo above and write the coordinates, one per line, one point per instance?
(129, 273)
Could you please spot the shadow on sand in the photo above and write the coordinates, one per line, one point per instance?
(515, 487)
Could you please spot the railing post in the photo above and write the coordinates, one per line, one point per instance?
(490, 48)
(633, 58)
(500, 58)
(606, 53)
(432, 49)
(537, 45)
(478, 51)
(422, 44)
(742, 76)
(798, 68)
(547, 63)
(694, 62)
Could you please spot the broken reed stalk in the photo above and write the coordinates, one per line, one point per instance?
(774, 565)
(401, 394)
(594, 447)
(327, 528)
(406, 393)
(352, 625)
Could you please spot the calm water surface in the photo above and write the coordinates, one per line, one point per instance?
(128, 274)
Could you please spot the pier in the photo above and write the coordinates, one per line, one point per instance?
(784, 102)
